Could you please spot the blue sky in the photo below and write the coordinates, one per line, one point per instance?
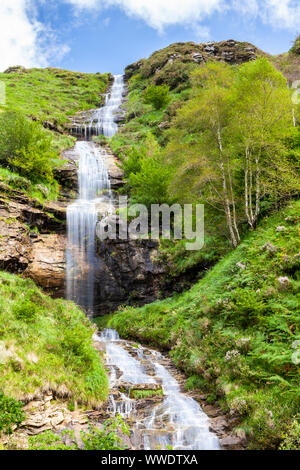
(107, 35)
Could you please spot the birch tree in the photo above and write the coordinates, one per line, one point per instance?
(262, 114)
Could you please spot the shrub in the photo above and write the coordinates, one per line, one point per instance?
(149, 186)
(105, 438)
(291, 437)
(25, 147)
(19, 182)
(25, 310)
(296, 46)
(158, 96)
(95, 439)
(174, 75)
(132, 163)
(48, 440)
(10, 413)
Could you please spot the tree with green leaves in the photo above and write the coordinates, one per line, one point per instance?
(232, 146)
(205, 152)
(261, 116)
(147, 176)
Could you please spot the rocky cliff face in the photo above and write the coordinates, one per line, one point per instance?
(32, 239)
(127, 273)
(33, 243)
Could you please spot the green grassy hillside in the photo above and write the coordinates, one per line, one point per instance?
(53, 95)
(46, 344)
(47, 98)
(236, 333)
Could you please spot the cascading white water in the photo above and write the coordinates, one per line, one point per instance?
(177, 421)
(82, 218)
(184, 415)
(82, 215)
(103, 119)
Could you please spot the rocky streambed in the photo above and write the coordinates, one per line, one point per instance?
(148, 391)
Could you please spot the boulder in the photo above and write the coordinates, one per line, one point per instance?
(270, 248)
(284, 282)
(47, 263)
(231, 442)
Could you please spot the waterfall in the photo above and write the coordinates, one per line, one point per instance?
(176, 421)
(103, 119)
(94, 195)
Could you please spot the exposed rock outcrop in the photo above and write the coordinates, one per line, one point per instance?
(229, 51)
(127, 272)
(47, 263)
(27, 244)
(15, 69)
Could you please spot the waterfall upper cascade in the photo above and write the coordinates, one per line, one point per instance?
(103, 119)
(175, 421)
(95, 197)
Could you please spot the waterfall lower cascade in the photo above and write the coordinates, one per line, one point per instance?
(95, 197)
(173, 421)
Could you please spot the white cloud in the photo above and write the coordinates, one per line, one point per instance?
(162, 13)
(23, 39)
(26, 41)
(282, 13)
(158, 13)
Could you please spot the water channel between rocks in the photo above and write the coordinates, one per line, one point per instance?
(169, 419)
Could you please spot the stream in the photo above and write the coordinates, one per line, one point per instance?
(144, 388)
(172, 420)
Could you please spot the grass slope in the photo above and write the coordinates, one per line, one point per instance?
(46, 344)
(234, 332)
(52, 95)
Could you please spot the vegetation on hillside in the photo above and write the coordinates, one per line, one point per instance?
(46, 344)
(27, 156)
(227, 137)
(52, 95)
(34, 122)
(224, 137)
(236, 332)
(289, 62)
(296, 46)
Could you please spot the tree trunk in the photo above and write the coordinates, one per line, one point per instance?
(257, 196)
(247, 195)
(225, 192)
(250, 193)
(294, 118)
(233, 205)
